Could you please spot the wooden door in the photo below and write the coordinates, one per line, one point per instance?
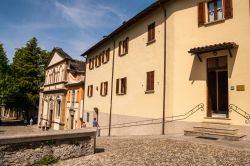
(212, 92)
(223, 92)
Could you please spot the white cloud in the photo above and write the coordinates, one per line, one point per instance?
(89, 14)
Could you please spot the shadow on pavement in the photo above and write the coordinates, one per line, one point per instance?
(99, 150)
(12, 123)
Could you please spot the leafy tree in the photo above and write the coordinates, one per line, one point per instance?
(27, 69)
(3, 75)
(3, 62)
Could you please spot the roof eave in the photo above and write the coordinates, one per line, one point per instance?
(127, 24)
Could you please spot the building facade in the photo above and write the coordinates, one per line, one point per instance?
(61, 96)
(179, 62)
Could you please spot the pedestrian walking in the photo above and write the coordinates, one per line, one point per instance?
(95, 124)
(83, 124)
(31, 121)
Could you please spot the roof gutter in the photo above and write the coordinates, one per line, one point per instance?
(140, 15)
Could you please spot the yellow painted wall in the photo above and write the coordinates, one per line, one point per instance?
(186, 76)
(140, 59)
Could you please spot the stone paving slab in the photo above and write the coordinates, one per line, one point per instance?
(164, 150)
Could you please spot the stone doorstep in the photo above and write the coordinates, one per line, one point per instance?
(215, 123)
(231, 131)
(220, 125)
(235, 137)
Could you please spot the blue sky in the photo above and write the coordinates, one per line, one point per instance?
(74, 25)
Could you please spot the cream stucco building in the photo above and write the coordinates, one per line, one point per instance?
(61, 96)
(181, 62)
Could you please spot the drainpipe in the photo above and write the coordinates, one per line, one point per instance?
(84, 86)
(164, 77)
(111, 95)
(84, 90)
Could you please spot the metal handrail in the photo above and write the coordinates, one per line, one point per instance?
(241, 112)
(151, 121)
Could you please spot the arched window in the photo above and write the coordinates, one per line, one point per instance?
(54, 76)
(58, 108)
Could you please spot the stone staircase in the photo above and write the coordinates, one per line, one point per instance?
(216, 130)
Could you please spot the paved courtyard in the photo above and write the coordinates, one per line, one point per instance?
(12, 126)
(155, 150)
(164, 150)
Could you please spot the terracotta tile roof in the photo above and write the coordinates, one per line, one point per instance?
(214, 47)
(77, 65)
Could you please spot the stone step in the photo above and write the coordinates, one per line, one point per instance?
(220, 125)
(215, 123)
(235, 137)
(216, 130)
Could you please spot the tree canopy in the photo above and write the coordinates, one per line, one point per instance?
(23, 77)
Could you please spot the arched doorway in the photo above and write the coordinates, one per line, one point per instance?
(96, 112)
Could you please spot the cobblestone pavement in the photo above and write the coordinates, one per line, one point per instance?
(161, 150)
(11, 126)
(7, 130)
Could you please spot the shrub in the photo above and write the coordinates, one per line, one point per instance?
(46, 160)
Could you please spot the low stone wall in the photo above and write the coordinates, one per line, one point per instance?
(29, 149)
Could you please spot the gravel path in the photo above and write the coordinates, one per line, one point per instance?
(158, 150)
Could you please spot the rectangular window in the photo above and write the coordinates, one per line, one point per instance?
(105, 56)
(216, 10)
(104, 88)
(218, 62)
(121, 86)
(91, 64)
(123, 47)
(150, 81)
(151, 32)
(90, 91)
(98, 60)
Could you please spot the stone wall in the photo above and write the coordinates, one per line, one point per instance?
(29, 149)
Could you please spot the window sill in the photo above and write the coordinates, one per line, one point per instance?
(123, 54)
(120, 94)
(149, 91)
(215, 22)
(98, 66)
(105, 62)
(151, 42)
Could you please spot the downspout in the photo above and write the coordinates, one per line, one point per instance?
(111, 95)
(84, 89)
(164, 76)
